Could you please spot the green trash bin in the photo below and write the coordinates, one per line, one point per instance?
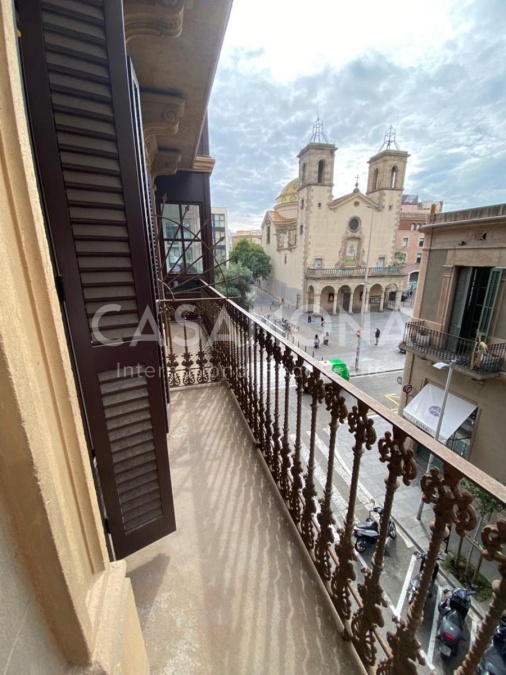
(340, 368)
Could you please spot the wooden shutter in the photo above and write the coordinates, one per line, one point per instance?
(489, 303)
(77, 86)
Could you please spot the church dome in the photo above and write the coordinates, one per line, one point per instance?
(290, 193)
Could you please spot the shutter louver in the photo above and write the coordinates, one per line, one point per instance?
(489, 303)
(77, 84)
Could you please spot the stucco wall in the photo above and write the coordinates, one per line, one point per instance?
(26, 644)
(432, 287)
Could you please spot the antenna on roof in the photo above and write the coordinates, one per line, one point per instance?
(318, 136)
(389, 139)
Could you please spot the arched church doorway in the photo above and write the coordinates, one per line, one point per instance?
(344, 298)
(375, 298)
(390, 294)
(310, 298)
(327, 299)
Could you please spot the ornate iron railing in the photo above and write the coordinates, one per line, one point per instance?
(445, 347)
(268, 377)
(331, 272)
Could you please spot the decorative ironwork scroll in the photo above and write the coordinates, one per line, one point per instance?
(344, 573)
(451, 504)
(400, 462)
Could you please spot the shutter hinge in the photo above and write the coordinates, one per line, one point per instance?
(60, 288)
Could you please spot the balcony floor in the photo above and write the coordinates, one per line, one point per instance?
(231, 591)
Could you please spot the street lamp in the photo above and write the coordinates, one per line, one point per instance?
(364, 292)
(441, 365)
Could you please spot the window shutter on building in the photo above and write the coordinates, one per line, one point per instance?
(94, 189)
(489, 303)
(459, 301)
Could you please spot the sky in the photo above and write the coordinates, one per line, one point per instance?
(434, 69)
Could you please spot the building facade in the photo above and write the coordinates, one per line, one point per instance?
(221, 235)
(414, 215)
(320, 246)
(255, 236)
(459, 323)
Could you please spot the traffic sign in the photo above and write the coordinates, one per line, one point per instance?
(407, 388)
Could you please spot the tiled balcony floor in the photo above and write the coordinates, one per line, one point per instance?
(231, 591)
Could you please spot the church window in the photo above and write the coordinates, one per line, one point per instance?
(420, 241)
(321, 170)
(285, 259)
(393, 179)
(301, 230)
(418, 257)
(375, 180)
(303, 174)
(405, 242)
(268, 234)
(413, 226)
(319, 205)
(301, 204)
(318, 263)
(354, 224)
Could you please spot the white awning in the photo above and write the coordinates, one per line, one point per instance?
(425, 408)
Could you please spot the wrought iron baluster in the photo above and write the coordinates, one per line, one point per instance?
(202, 361)
(256, 390)
(172, 362)
(276, 452)
(267, 449)
(187, 363)
(317, 391)
(451, 504)
(301, 379)
(284, 483)
(494, 540)
(335, 404)
(365, 436)
(261, 365)
(400, 463)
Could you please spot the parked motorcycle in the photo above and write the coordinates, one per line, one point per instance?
(415, 581)
(452, 615)
(366, 534)
(494, 659)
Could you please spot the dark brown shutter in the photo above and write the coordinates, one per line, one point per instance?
(77, 85)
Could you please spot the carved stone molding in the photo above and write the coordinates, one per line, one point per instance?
(161, 112)
(204, 164)
(162, 18)
(165, 162)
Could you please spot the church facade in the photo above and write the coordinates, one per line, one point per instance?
(324, 250)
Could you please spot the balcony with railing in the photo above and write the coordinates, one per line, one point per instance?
(262, 574)
(484, 361)
(352, 272)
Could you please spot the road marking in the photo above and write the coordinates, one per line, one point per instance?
(432, 639)
(393, 398)
(405, 585)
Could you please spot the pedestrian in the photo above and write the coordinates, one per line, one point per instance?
(326, 340)
(377, 334)
(322, 321)
(316, 342)
(309, 317)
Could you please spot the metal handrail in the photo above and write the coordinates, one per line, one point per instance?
(261, 367)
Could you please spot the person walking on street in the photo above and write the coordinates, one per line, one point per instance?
(308, 317)
(326, 340)
(377, 334)
(316, 342)
(322, 321)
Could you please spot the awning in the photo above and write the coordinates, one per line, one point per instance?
(425, 408)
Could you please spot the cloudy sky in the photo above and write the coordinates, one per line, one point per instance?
(434, 69)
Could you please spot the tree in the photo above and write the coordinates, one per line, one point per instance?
(234, 282)
(253, 257)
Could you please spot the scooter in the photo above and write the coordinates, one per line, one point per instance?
(452, 615)
(494, 659)
(366, 534)
(415, 581)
